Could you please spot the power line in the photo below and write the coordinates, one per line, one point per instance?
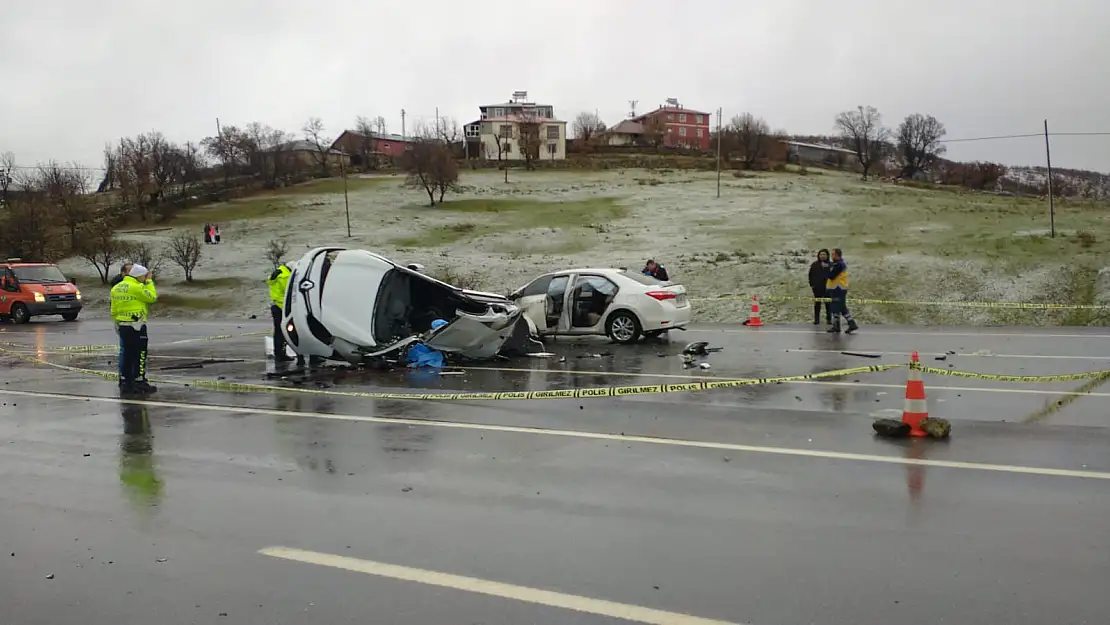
(1027, 136)
(70, 168)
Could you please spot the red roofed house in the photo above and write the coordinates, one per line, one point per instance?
(683, 127)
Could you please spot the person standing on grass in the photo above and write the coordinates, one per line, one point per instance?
(216, 234)
(130, 306)
(818, 278)
(837, 288)
(207, 233)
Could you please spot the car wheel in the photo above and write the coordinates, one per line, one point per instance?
(20, 314)
(623, 327)
(70, 316)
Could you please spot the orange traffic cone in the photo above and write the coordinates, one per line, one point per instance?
(916, 408)
(753, 319)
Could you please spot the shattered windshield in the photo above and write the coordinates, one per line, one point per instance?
(39, 274)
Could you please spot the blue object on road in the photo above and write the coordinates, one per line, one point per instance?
(438, 323)
(420, 355)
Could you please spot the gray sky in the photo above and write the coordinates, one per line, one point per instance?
(79, 73)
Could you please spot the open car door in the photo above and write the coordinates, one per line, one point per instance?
(471, 338)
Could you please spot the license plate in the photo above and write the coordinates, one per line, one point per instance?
(65, 305)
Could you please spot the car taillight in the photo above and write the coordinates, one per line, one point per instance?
(662, 295)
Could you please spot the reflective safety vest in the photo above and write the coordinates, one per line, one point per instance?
(278, 282)
(840, 280)
(131, 300)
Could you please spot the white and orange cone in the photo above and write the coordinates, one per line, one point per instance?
(753, 319)
(916, 407)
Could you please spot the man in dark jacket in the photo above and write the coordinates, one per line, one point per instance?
(655, 270)
(818, 278)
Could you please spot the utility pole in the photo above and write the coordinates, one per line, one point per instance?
(437, 124)
(403, 136)
(1051, 200)
(632, 105)
(720, 111)
(346, 203)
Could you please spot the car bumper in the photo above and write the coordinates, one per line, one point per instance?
(676, 318)
(53, 308)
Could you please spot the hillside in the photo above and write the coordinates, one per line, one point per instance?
(902, 242)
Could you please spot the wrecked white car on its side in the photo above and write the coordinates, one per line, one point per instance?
(357, 306)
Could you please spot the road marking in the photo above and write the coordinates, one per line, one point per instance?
(538, 431)
(576, 603)
(968, 389)
(963, 354)
(938, 334)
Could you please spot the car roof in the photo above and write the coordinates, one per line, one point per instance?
(603, 270)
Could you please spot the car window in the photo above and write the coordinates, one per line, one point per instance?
(39, 273)
(595, 283)
(537, 286)
(641, 278)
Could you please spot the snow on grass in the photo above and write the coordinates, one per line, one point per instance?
(758, 237)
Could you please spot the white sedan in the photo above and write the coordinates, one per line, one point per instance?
(609, 302)
(355, 305)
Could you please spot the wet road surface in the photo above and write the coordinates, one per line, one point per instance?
(770, 505)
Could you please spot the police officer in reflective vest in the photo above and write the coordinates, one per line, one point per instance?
(278, 283)
(130, 302)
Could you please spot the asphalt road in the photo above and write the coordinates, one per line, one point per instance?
(770, 505)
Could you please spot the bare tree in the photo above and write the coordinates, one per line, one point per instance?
(447, 130)
(267, 152)
(142, 253)
(379, 124)
(26, 224)
(749, 136)
(184, 250)
(111, 170)
(430, 166)
(367, 133)
(276, 251)
(99, 247)
(863, 132)
(313, 130)
(530, 129)
(7, 170)
(587, 125)
(65, 187)
(919, 143)
(655, 130)
(229, 148)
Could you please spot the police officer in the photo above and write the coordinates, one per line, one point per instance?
(278, 283)
(131, 300)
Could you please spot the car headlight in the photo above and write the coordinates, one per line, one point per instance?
(78, 293)
(39, 297)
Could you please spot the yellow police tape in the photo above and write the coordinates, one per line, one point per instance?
(578, 393)
(102, 348)
(1031, 379)
(895, 302)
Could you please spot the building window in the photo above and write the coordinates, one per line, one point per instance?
(507, 148)
(701, 119)
(552, 132)
(670, 117)
(552, 148)
(506, 131)
(682, 117)
(498, 112)
(682, 131)
(700, 133)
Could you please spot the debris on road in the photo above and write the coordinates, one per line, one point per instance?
(941, 357)
(891, 428)
(936, 428)
(700, 348)
(862, 355)
(704, 365)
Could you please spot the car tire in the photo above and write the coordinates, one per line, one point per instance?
(69, 316)
(20, 314)
(623, 327)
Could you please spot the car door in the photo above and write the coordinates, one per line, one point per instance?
(532, 299)
(589, 302)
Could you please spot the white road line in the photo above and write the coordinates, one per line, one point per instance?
(940, 333)
(600, 607)
(962, 354)
(538, 431)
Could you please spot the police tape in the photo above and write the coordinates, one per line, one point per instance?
(1029, 379)
(897, 302)
(577, 393)
(103, 348)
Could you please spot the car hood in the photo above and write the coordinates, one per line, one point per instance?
(46, 289)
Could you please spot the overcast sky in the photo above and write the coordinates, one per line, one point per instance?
(79, 73)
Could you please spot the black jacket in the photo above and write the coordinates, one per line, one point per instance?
(818, 275)
(659, 274)
(116, 280)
